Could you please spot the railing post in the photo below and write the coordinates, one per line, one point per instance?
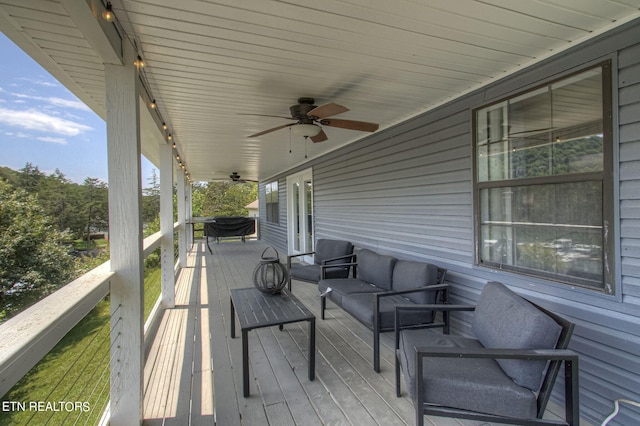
(182, 216)
(125, 235)
(166, 226)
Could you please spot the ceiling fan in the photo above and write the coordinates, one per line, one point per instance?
(235, 178)
(308, 117)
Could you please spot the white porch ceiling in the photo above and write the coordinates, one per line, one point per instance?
(209, 61)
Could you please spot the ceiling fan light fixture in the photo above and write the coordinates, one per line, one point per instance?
(306, 130)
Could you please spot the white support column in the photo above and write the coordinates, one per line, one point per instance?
(182, 216)
(166, 226)
(125, 235)
(189, 213)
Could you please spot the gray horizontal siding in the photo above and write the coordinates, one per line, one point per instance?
(407, 191)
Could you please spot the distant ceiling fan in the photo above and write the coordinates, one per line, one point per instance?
(308, 117)
(235, 178)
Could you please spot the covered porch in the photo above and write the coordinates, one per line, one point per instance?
(197, 88)
(193, 370)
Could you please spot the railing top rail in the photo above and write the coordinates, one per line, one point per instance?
(35, 331)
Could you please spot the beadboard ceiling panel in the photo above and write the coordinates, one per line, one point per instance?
(219, 68)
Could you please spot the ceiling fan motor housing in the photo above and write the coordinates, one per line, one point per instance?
(300, 110)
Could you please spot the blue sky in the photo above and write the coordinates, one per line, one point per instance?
(43, 123)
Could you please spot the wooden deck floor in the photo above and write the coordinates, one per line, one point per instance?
(193, 373)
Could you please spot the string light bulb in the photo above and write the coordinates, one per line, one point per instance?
(107, 13)
(170, 137)
(153, 104)
(164, 126)
(139, 62)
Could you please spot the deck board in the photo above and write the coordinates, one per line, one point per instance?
(193, 373)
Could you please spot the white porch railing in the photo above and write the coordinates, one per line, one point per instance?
(29, 336)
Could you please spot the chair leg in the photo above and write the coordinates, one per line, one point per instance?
(572, 403)
(323, 305)
(419, 392)
(376, 350)
(398, 392)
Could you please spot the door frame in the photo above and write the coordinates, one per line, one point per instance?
(299, 178)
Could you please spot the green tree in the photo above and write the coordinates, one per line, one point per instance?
(151, 198)
(30, 177)
(33, 261)
(228, 199)
(61, 199)
(96, 207)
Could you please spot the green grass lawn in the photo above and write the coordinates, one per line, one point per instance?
(71, 384)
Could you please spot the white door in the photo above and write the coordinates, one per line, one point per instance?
(300, 213)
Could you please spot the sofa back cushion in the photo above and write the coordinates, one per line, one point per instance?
(328, 249)
(375, 268)
(408, 275)
(503, 319)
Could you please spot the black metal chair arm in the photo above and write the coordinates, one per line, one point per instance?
(346, 256)
(426, 289)
(498, 353)
(291, 256)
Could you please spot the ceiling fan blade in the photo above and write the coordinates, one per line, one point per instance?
(350, 124)
(267, 115)
(270, 130)
(320, 137)
(327, 110)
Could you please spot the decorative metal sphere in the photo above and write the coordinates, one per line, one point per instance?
(270, 276)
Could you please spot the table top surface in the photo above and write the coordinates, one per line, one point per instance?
(256, 309)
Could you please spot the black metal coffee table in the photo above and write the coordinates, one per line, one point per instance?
(256, 309)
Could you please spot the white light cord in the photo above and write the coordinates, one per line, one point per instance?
(616, 408)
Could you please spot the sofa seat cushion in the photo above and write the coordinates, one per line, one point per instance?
(375, 268)
(503, 319)
(474, 384)
(343, 286)
(360, 305)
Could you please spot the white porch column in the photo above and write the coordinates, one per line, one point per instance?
(189, 190)
(166, 226)
(182, 216)
(125, 235)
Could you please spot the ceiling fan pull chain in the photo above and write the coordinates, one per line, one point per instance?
(306, 142)
(290, 140)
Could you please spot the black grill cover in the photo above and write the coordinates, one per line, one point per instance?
(230, 227)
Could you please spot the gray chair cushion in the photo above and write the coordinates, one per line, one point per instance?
(469, 384)
(408, 275)
(343, 286)
(328, 249)
(503, 319)
(305, 272)
(375, 268)
(360, 305)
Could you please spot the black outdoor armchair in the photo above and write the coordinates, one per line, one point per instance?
(327, 252)
(504, 375)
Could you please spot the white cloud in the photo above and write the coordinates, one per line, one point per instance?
(61, 141)
(40, 82)
(59, 102)
(35, 120)
(67, 103)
